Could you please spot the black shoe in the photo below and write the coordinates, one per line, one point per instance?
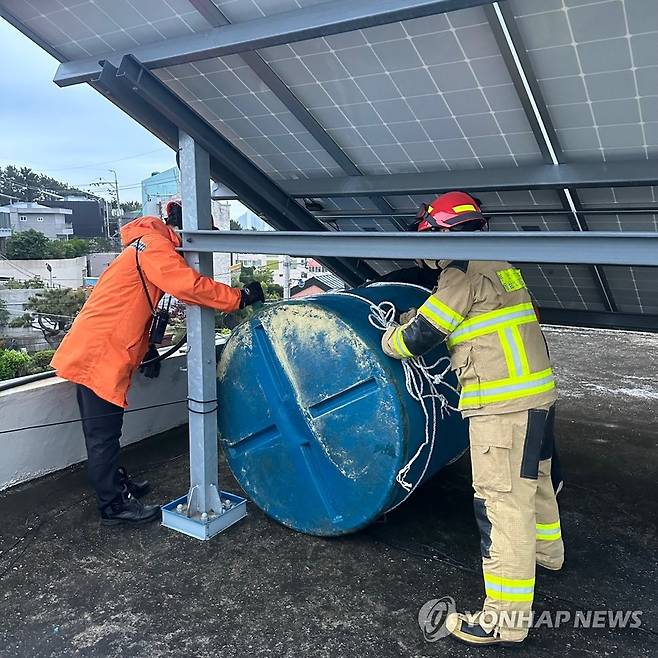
(129, 510)
(460, 627)
(134, 488)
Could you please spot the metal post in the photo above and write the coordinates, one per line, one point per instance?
(203, 512)
(286, 277)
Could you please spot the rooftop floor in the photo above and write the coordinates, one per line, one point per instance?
(69, 587)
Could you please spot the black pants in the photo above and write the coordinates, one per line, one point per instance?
(101, 424)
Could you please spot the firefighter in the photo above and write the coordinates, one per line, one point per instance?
(484, 312)
(110, 338)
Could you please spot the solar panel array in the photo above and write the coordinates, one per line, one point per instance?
(424, 95)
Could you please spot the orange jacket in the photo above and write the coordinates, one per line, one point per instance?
(109, 338)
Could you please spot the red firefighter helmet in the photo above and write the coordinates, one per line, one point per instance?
(455, 211)
(170, 204)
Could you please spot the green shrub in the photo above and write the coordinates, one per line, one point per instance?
(12, 284)
(40, 361)
(13, 364)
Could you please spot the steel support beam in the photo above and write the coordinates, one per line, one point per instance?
(510, 41)
(508, 38)
(498, 212)
(597, 319)
(148, 100)
(320, 20)
(603, 248)
(528, 177)
(201, 362)
(204, 512)
(281, 90)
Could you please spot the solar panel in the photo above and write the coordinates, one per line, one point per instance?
(93, 27)
(430, 94)
(596, 63)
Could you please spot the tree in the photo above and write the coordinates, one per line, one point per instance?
(131, 206)
(53, 310)
(273, 291)
(28, 185)
(235, 226)
(67, 248)
(102, 245)
(4, 313)
(28, 245)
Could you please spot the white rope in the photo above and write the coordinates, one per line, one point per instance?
(422, 382)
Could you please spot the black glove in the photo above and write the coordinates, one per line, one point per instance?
(150, 370)
(251, 294)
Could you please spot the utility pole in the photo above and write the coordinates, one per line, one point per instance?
(286, 277)
(116, 192)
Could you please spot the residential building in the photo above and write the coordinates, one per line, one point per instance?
(317, 284)
(89, 216)
(54, 223)
(158, 188)
(314, 267)
(5, 223)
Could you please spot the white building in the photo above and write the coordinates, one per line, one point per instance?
(54, 223)
(221, 219)
(298, 272)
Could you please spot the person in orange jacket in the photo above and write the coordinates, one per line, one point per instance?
(109, 339)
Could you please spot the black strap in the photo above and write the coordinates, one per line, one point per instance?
(137, 244)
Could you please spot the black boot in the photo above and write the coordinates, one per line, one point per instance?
(126, 509)
(134, 488)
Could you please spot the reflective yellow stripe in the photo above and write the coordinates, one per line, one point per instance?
(557, 535)
(440, 315)
(506, 310)
(491, 322)
(512, 582)
(464, 208)
(509, 381)
(512, 388)
(509, 596)
(525, 366)
(509, 358)
(548, 526)
(399, 345)
(509, 589)
(548, 531)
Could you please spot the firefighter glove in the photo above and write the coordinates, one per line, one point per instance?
(251, 294)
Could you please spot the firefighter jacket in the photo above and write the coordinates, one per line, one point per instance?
(484, 312)
(109, 337)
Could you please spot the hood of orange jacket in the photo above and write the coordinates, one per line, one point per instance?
(109, 337)
(140, 227)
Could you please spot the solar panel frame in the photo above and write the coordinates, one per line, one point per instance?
(373, 111)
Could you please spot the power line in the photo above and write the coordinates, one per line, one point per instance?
(98, 164)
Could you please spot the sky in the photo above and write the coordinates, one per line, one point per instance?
(72, 134)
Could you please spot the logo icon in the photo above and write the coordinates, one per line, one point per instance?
(432, 618)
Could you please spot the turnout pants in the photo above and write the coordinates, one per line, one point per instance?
(516, 512)
(101, 424)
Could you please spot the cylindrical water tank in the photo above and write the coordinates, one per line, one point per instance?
(316, 421)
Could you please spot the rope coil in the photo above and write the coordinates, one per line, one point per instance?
(422, 383)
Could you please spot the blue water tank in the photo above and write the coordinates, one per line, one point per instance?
(316, 421)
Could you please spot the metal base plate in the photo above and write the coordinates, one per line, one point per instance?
(175, 517)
